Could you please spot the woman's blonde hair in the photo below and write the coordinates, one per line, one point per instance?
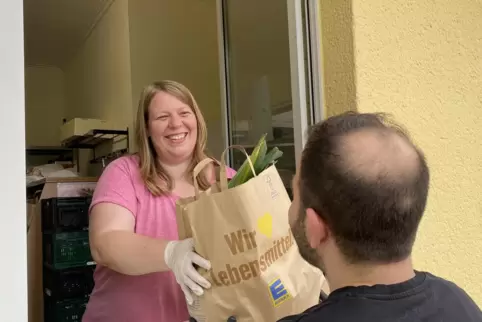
(150, 168)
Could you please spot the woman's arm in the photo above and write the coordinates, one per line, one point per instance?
(114, 244)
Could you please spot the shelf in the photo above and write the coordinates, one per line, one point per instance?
(93, 138)
(47, 150)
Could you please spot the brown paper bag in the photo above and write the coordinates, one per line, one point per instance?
(257, 272)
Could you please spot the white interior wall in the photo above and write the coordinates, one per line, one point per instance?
(13, 271)
(97, 81)
(138, 42)
(97, 78)
(178, 40)
(44, 105)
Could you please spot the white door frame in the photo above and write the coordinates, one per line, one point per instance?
(305, 79)
(316, 54)
(13, 241)
(299, 75)
(223, 76)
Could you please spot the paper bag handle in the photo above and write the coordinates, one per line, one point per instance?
(223, 174)
(197, 170)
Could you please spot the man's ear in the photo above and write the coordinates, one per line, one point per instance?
(316, 229)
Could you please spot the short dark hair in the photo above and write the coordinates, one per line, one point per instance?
(372, 219)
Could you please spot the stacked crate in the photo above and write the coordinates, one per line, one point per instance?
(67, 263)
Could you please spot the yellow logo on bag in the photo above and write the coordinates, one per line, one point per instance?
(265, 225)
(278, 292)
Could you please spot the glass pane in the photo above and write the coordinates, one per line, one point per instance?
(259, 80)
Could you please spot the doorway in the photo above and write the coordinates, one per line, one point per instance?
(270, 81)
(117, 55)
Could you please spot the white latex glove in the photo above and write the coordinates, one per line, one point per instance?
(180, 257)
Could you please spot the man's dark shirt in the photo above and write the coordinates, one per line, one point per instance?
(424, 298)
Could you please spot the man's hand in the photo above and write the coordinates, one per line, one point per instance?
(180, 258)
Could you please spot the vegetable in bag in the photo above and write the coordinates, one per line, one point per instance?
(260, 159)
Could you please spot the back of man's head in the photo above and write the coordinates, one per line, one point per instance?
(368, 182)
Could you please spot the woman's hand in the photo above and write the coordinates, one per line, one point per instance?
(180, 258)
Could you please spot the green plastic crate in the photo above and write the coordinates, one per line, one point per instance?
(66, 310)
(67, 249)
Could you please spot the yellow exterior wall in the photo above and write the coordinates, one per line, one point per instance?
(422, 62)
(338, 55)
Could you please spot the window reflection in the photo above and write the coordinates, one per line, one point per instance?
(259, 79)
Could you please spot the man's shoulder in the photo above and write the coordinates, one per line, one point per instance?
(438, 280)
(312, 313)
(448, 291)
(434, 293)
(443, 286)
(294, 318)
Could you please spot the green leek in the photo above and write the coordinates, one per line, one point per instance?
(260, 158)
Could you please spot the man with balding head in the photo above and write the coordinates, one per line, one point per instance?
(359, 195)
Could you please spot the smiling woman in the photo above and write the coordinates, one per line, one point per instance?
(170, 124)
(144, 273)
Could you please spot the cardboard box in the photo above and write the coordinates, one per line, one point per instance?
(53, 187)
(67, 187)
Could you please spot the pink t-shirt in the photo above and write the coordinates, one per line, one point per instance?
(149, 298)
